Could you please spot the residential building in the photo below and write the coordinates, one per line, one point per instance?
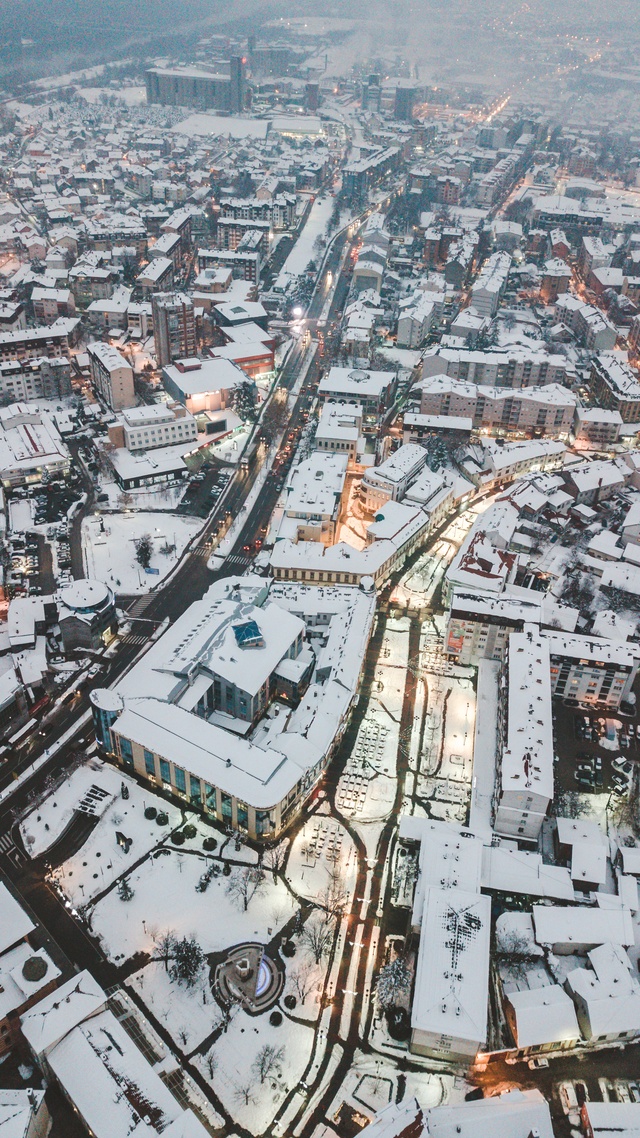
(508, 367)
(524, 787)
(615, 386)
(174, 327)
(111, 376)
(591, 671)
(596, 428)
(488, 288)
(534, 411)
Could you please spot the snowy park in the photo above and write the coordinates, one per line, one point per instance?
(109, 547)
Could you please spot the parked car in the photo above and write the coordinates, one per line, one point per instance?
(537, 1062)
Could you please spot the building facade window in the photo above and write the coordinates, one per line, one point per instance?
(196, 791)
(165, 772)
(180, 780)
(150, 763)
(126, 751)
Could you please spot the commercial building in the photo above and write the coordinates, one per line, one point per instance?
(27, 971)
(312, 499)
(158, 425)
(371, 390)
(198, 87)
(339, 430)
(86, 615)
(111, 376)
(393, 477)
(204, 386)
(183, 719)
(77, 1038)
(174, 327)
(30, 446)
(449, 1009)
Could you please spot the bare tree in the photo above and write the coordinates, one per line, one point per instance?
(333, 898)
(244, 884)
(211, 1063)
(318, 935)
(166, 943)
(244, 1093)
(303, 979)
(268, 1062)
(275, 859)
(515, 951)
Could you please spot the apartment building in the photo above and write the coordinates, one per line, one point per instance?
(591, 671)
(615, 386)
(512, 367)
(547, 410)
(33, 343)
(488, 288)
(111, 376)
(340, 430)
(524, 789)
(174, 327)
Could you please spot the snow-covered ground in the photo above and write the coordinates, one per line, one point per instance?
(108, 546)
(149, 498)
(235, 1078)
(94, 784)
(315, 226)
(165, 897)
(190, 1014)
(101, 860)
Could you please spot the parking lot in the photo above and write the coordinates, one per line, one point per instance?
(204, 490)
(583, 763)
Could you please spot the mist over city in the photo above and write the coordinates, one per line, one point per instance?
(319, 569)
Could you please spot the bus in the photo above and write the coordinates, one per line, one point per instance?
(21, 736)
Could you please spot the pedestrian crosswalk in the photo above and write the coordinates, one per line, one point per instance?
(237, 559)
(134, 638)
(139, 606)
(9, 850)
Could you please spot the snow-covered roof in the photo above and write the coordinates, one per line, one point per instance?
(578, 925)
(452, 975)
(111, 1084)
(514, 1114)
(544, 1015)
(17, 1111)
(15, 923)
(508, 870)
(619, 1118)
(57, 1014)
(349, 382)
(527, 758)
